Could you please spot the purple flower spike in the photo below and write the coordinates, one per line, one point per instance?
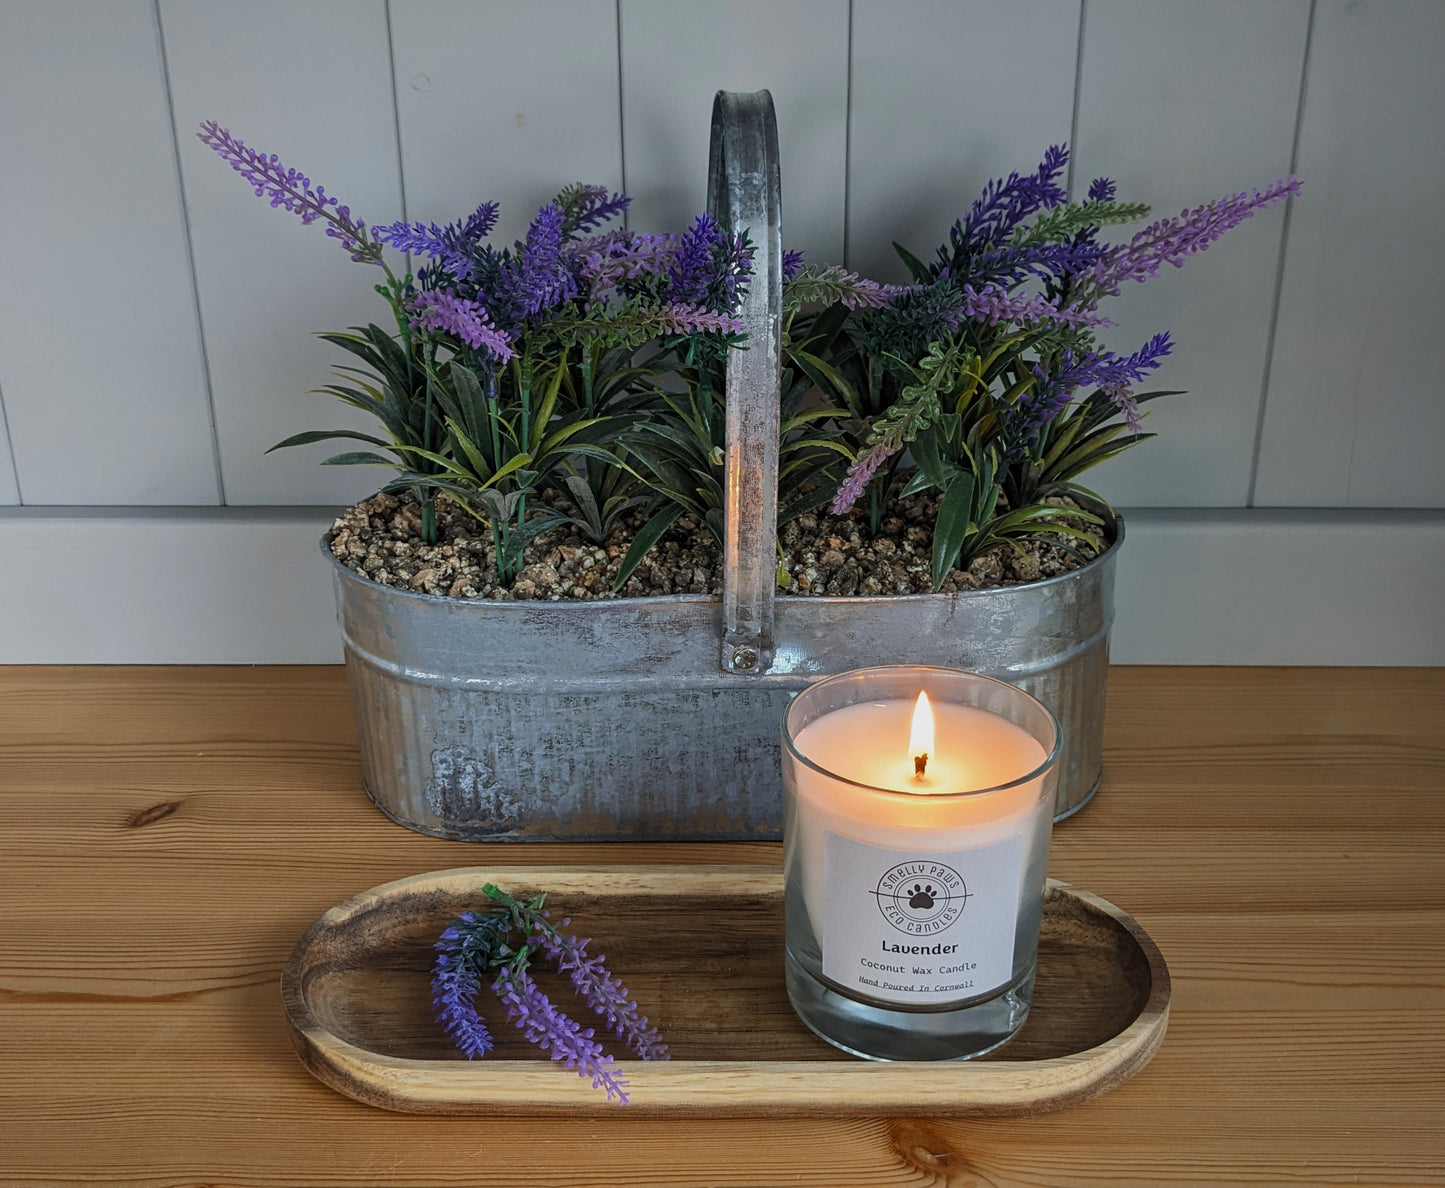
(541, 279)
(792, 261)
(291, 190)
(1004, 204)
(552, 1031)
(1101, 189)
(1172, 241)
(604, 993)
(455, 986)
(467, 320)
(1101, 369)
(859, 475)
(681, 318)
(993, 305)
(588, 207)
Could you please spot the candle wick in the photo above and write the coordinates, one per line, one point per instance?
(920, 765)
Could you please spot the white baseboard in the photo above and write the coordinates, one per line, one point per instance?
(247, 586)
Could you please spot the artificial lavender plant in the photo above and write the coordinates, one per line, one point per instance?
(495, 947)
(512, 369)
(967, 381)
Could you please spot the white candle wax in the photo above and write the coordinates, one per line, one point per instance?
(887, 878)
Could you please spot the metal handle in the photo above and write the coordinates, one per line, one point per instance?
(744, 191)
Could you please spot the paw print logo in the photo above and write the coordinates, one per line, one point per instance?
(922, 897)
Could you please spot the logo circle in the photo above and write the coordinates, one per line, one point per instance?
(921, 898)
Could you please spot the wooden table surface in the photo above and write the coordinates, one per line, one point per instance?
(166, 835)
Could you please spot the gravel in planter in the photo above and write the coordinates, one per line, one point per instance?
(380, 538)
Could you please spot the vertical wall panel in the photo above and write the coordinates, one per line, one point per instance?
(1182, 103)
(9, 489)
(312, 84)
(506, 102)
(1355, 412)
(946, 94)
(677, 55)
(99, 347)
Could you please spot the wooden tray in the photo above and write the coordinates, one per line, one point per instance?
(701, 948)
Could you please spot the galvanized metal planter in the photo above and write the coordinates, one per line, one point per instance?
(658, 718)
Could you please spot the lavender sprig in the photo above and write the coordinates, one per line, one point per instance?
(1172, 241)
(292, 190)
(457, 245)
(562, 1038)
(1115, 374)
(455, 986)
(826, 284)
(604, 992)
(992, 305)
(585, 208)
(859, 475)
(437, 309)
(497, 946)
(1006, 203)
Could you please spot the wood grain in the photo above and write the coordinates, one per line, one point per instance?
(1279, 833)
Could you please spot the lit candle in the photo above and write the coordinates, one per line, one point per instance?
(917, 833)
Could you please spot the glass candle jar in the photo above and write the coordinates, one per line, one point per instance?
(918, 804)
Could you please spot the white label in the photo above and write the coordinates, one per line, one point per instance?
(919, 928)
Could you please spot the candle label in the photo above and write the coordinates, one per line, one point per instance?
(920, 928)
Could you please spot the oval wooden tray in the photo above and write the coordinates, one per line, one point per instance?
(701, 948)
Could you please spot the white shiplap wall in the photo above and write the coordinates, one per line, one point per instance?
(153, 330)
(100, 351)
(1355, 414)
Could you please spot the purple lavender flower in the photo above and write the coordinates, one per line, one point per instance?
(1123, 399)
(457, 244)
(1101, 189)
(1006, 203)
(1172, 241)
(291, 190)
(859, 475)
(607, 261)
(992, 305)
(540, 278)
(587, 207)
(603, 992)
(437, 309)
(792, 261)
(708, 265)
(552, 1031)
(1101, 369)
(1011, 264)
(455, 986)
(677, 317)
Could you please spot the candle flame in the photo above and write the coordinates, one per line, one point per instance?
(920, 735)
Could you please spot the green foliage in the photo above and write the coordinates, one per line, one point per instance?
(1061, 222)
(1087, 433)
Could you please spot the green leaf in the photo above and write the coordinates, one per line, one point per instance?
(915, 266)
(514, 463)
(519, 538)
(642, 543)
(951, 530)
(313, 435)
(359, 458)
(544, 412)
